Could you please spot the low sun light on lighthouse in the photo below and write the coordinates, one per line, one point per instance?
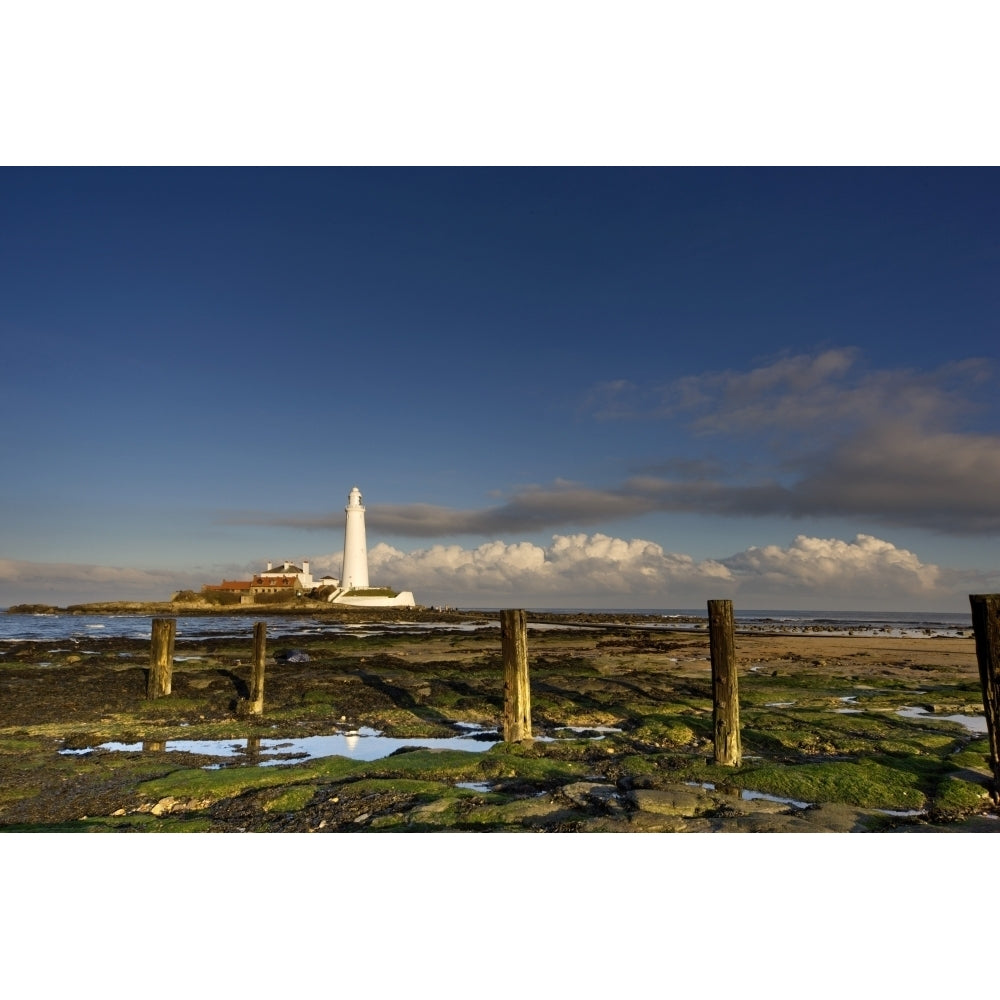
(353, 587)
(354, 575)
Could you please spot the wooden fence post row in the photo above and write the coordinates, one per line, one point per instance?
(161, 657)
(516, 688)
(725, 694)
(161, 662)
(986, 626)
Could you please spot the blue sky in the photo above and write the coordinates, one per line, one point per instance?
(632, 387)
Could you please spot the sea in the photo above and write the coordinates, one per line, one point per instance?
(77, 628)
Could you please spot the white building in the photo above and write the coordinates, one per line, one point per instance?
(354, 574)
(288, 569)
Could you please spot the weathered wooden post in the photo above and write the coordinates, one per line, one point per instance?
(256, 706)
(986, 625)
(725, 695)
(161, 657)
(516, 689)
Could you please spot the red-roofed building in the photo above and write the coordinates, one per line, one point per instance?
(271, 583)
(230, 586)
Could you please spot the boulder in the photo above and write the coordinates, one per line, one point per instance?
(585, 793)
(292, 656)
(672, 801)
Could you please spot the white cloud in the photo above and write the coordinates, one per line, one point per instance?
(597, 570)
(866, 567)
(577, 570)
(572, 567)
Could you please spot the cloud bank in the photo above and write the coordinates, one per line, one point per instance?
(828, 439)
(535, 509)
(578, 570)
(804, 436)
(600, 571)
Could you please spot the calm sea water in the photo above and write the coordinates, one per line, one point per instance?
(895, 623)
(900, 623)
(53, 627)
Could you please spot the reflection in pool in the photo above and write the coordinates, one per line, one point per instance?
(974, 723)
(357, 744)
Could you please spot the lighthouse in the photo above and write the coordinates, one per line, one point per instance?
(354, 575)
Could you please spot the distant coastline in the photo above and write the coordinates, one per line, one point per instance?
(916, 624)
(204, 608)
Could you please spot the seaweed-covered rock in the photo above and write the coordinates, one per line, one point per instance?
(291, 656)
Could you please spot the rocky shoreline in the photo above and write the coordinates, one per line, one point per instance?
(321, 608)
(344, 613)
(622, 719)
(203, 608)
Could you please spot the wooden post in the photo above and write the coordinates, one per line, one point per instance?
(256, 706)
(516, 689)
(161, 657)
(986, 625)
(725, 696)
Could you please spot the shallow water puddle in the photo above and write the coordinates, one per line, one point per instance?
(848, 699)
(974, 723)
(747, 794)
(357, 744)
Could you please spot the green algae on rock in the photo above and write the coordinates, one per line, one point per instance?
(819, 718)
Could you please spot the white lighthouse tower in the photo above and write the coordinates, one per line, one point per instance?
(354, 575)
